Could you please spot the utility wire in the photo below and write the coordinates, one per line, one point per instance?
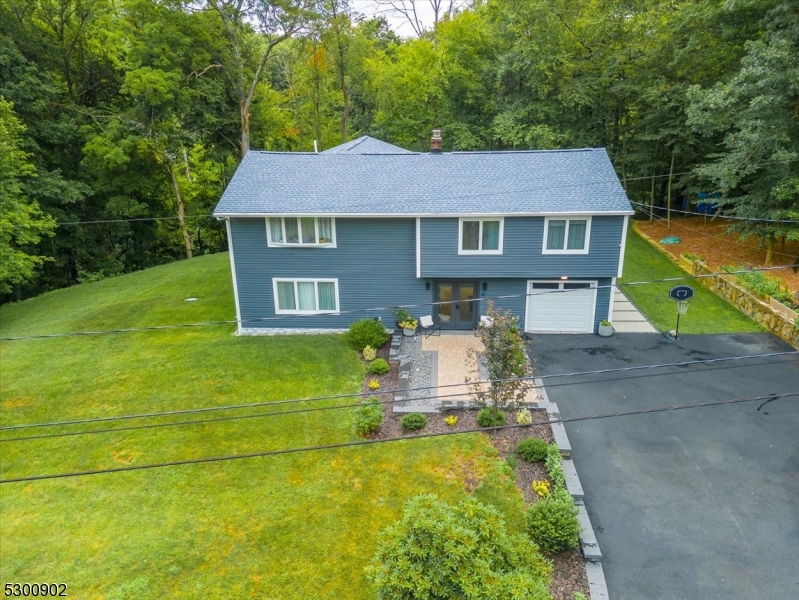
(193, 461)
(716, 216)
(389, 391)
(131, 220)
(372, 309)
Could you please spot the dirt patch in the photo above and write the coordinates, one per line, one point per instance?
(711, 241)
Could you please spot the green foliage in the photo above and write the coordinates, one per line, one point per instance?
(22, 224)
(552, 522)
(436, 551)
(579, 596)
(605, 323)
(505, 357)
(369, 353)
(366, 332)
(379, 366)
(401, 314)
(761, 284)
(414, 421)
(524, 416)
(532, 449)
(512, 460)
(555, 467)
(368, 416)
(490, 417)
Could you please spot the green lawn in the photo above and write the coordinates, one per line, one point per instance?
(293, 526)
(707, 312)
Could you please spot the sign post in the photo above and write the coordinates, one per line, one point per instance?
(681, 294)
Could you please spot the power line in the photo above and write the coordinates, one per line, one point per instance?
(131, 220)
(193, 461)
(716, 216)
(358, 395)
(370, 309)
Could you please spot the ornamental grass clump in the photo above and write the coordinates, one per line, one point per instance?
(532, 449)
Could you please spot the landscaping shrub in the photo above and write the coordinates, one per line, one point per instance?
(532, 449)
(489, 417)
(512, 460)
(374, 384)
(366, 332)
(369, 353)
(379, 366)
(541, 488)
(368, 416)
(438, 551)
(414, 421)
(524, 416)
(552, 522)
(401, 315)
(554, 467)
(451, 420)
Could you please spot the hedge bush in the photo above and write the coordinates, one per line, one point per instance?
(488, 417)
(532, 449)
(368, 416)
(552, 522)
(555, 467)
(366, 332)
(379, 366)
(414, 421)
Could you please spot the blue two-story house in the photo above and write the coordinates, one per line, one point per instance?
(318, 241)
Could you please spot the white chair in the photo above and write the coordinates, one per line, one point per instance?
(428, 325)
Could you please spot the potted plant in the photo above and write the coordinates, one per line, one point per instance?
(605, 329)
(401, 315)
(409, 326)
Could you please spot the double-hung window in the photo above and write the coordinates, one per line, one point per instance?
(301, 231)
(567, 236)
(305, 296)
(480, 236)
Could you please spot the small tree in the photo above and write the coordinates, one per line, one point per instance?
(505, 358)
(438, 552)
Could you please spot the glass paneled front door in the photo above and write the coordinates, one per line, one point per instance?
(457, 310)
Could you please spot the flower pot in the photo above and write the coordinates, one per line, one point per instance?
(409, 332)
(605, 330)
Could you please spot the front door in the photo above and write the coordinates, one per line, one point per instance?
(459, 311)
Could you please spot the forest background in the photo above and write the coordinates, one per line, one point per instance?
(121, 121)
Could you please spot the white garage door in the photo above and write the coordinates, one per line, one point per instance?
(553, 311)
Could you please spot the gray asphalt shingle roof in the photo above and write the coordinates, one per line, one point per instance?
(366, 145)
(489, 183)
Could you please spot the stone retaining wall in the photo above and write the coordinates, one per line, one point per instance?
(771, 317)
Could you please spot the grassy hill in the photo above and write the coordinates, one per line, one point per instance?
(293, 526)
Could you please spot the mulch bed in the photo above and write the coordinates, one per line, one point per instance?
(568, 567)
(710, 241)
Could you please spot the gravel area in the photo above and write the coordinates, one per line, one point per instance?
(421, 370)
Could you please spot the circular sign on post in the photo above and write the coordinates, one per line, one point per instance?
(681, 292)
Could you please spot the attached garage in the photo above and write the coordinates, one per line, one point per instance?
(560, 306)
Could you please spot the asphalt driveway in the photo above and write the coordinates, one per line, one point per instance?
(690, 504)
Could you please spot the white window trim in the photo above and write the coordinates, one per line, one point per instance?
(480, 235)
(568, 219)
(300, 244)
(296, 280)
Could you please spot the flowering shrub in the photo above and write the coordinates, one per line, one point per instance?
(369, 353)
(451, 420)
(541, 488)
(374, 384)
(524, 417)
(409, 324)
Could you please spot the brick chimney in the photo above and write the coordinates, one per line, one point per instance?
(435, 142)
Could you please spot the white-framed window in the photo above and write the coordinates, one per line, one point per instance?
(305, 296)
(480, 235)
(566, 235)
(301, 231)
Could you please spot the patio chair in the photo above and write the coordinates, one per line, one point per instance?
(429, 326)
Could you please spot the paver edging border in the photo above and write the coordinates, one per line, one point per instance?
(597, 586)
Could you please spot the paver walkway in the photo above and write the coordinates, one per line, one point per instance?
(626, 318)
(455, 365)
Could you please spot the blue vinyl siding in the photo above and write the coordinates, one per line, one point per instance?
(522, 252)
(374, 262)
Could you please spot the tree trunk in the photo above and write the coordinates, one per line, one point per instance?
(181, 212)
(671, 172)
(652, 197)
(244, 144)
